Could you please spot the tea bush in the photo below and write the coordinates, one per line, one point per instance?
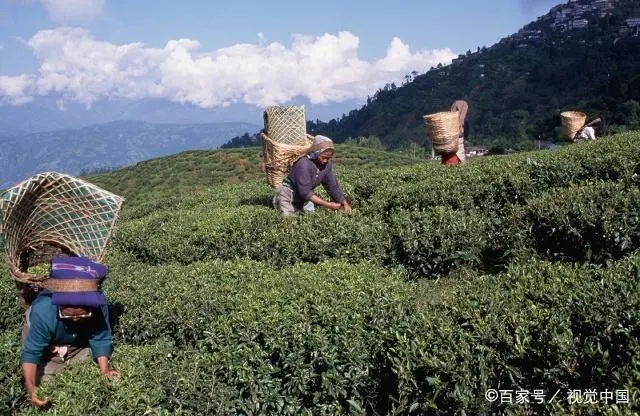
(492, 183)
(9, 303)
(430, 241)
(592, 223)
(539, 326)
(242, 338)
(251, 232)
(12, 394)
(219, 306)
(436, 241)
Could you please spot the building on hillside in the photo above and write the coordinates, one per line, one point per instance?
(603, 4)
(579, 23)
(473, 151)
(600, 4)
(529, 34)
(633, 21)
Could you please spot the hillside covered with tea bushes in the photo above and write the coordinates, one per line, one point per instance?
(517, 272)
(187, 172)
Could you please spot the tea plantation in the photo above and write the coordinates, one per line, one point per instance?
(512, 273)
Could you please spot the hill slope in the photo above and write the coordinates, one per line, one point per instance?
(517, 87)
(179, 175)
(518, 273)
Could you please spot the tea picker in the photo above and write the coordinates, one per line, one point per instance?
(67, 323)
(55, 229)
(447, 131)
(588, 132)
(574, 127)
(296, 163)
(297, 191)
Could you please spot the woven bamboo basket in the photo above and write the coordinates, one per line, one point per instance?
(443, 129)
(278, 158)
(572, 122)
(284, 140)
(50, 215)
(286, 125)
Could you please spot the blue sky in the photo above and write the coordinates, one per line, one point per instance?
(83, 50)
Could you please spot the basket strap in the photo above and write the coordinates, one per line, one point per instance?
(71, 285)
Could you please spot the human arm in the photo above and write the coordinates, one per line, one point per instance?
(36, 342)
(332, 186)
(29, 374)
(105, 369)
(319, 201)
(101, 343)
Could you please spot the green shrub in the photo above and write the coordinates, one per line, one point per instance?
(148, 379)
(436, 241)
(251, 232)
(11, 315)
(314, 314)
(492, 183)
(594, 222)
(539, 326)
(12, 393)
(298, 338)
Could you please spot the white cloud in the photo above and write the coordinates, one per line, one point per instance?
(74, 10)
(15, 90)
(325, 68)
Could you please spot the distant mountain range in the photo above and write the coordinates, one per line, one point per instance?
(105, 146)
(44, 115)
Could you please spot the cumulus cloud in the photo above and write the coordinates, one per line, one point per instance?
(326, 68)
(15, 90)
(74, 10)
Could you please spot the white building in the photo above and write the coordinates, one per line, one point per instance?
(603, 4)
(633, 22)
(579, 23)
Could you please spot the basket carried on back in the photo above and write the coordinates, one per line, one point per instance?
(572, 122)
(286, 125)
(443, 129)
(278, 158)
(284, 141)
(53, 214)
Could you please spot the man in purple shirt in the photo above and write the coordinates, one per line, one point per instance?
(296, 192)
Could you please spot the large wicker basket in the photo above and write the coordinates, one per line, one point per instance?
(284, 140)
(443, 129)
(278, 158)
(53, 214)
(286, 125)
(572, 122)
